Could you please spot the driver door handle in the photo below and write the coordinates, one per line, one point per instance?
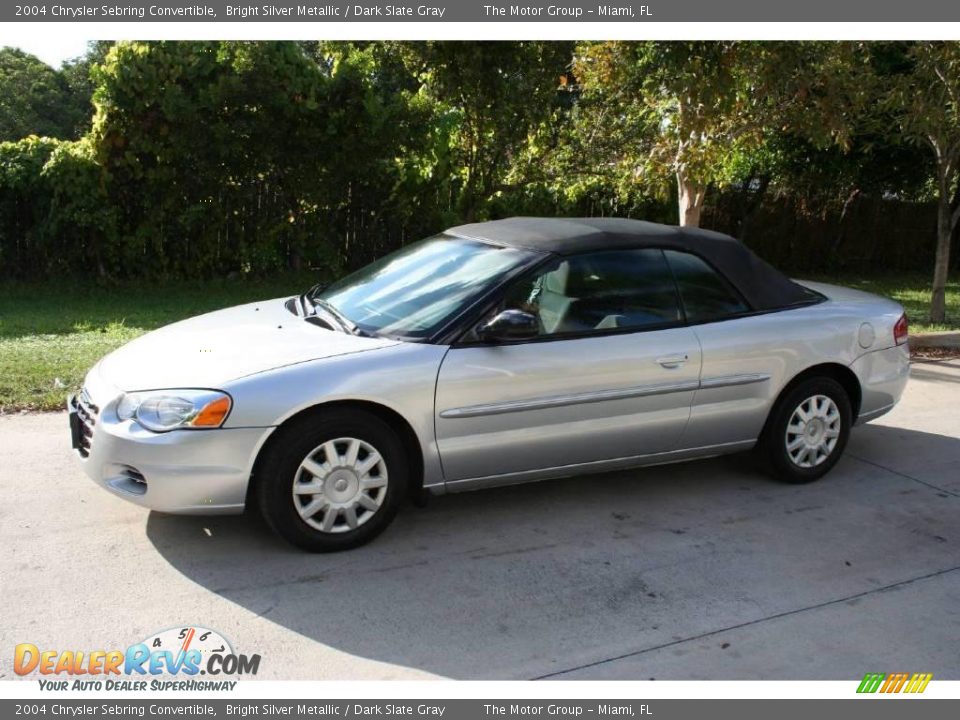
(672, 361)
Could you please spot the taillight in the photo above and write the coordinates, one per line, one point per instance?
(901, 330)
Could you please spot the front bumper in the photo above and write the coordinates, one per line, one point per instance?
(182, 472)
(883, 375)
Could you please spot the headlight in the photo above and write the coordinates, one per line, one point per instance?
(163, 410)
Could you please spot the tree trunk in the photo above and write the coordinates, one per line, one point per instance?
(691, 197)
(853, 198)
(938, 301)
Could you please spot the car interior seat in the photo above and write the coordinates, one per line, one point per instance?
(553, 301)
(567, 297)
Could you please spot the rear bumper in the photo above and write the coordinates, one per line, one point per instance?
(183, 472)
(883, 375)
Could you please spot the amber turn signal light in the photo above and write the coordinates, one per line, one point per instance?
(213, 413)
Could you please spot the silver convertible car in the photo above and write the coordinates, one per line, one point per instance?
(494, 353)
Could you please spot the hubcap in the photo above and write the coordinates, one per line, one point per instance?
(340, 485)
(813, 431)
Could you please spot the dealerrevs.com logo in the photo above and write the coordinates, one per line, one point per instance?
(172, 659)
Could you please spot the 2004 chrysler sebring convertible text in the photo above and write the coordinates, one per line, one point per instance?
(494, 353)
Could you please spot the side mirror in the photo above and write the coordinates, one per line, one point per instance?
(510, 325)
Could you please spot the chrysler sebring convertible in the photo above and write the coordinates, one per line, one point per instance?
(493, 353)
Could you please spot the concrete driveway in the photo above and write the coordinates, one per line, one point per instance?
(703, 570)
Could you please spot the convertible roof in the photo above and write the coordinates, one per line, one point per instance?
(764, 287)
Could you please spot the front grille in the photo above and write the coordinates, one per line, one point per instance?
(88, 414)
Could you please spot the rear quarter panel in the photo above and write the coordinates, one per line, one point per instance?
(781, 345)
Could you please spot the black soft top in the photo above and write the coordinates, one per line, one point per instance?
(764, 287)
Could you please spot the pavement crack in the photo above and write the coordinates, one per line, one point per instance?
(904, 475)
(749, 623)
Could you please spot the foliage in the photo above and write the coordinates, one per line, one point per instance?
(924, 101)
(493, 96)
(35, 99)
(700, 113)
(53, 214)
(253, 155)
(190, 136)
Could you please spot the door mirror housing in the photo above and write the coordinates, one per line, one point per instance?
(509, 325)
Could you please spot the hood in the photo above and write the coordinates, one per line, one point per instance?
(210, 350)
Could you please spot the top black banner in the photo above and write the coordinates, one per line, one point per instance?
(625, 11)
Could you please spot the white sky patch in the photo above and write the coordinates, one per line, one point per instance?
(53, 49)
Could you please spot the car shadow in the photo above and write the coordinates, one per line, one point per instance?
(525, 581)
(934, 370)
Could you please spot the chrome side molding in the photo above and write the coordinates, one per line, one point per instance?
(555, 401)
(733, 380)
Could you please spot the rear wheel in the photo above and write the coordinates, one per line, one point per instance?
(332, 482)
(808, 430)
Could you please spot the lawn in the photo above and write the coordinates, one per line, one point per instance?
(51, 334)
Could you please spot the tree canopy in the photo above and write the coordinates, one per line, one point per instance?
(36, 99)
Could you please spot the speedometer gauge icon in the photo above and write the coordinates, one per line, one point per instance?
(180, 640)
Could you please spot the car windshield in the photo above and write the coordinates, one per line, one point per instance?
(414, 292)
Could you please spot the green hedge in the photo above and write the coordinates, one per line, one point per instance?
(54, 215)
(211, 158)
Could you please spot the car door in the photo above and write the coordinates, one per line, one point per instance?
(610, 376)
(743, 356)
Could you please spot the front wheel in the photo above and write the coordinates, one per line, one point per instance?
(332, 482)
(808, 430)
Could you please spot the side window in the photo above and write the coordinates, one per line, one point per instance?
(705, 295)
(599, 291)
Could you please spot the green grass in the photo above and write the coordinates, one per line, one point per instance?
(51, 334)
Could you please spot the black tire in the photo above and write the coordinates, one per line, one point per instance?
(280, 467)
(774, 443)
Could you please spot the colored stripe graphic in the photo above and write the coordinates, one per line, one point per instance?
(871, 682)
(918, 683)
(894, 682)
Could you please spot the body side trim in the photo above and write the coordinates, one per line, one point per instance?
(733, 380)
(600, 396)
(565, 400)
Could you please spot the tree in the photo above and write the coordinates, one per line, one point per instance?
(696, 110)
(210, 152)
(31, 97)
(493, 96)
(76, 76)
(925, 101)
(257, 156)
(386, 161)
(35, 99)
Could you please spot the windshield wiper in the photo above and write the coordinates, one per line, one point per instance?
(316, 290)
(321, 305)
